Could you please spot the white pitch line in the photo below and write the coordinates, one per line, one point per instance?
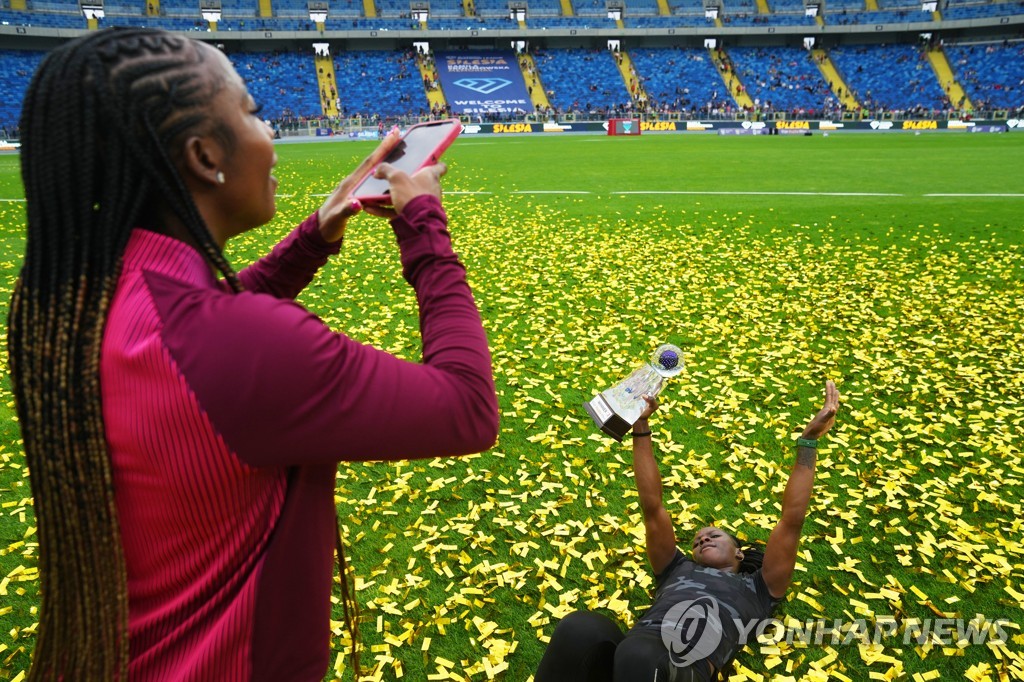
(974, 195)
(546, 191)
(19, 200)
(792, 194)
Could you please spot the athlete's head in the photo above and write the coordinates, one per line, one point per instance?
(716, 548)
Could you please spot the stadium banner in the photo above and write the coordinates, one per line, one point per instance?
(624, 126)
(743, 131)
(483, 82)
(735, 127)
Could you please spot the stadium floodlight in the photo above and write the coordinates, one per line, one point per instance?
(92, 9)
(210, 9)
(317, 11)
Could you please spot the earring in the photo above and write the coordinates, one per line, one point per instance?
(220, 177)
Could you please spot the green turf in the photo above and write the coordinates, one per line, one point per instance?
(911, 302)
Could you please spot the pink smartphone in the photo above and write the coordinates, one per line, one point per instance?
(421, 145)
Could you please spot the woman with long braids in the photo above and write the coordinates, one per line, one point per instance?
(182, 423)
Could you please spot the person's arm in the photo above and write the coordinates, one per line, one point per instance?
(282, 389)
(661, 536)
(291, 265)
(780, 552)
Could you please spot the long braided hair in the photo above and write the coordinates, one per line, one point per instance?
(101, 121)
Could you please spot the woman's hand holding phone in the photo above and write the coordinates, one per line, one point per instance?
(405, 187)
(341, 205)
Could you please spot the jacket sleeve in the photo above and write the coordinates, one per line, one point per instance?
(292, 263)
(282, 389)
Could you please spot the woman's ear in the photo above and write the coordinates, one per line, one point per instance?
(202, 157)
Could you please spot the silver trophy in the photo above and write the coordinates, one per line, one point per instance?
(617, 409)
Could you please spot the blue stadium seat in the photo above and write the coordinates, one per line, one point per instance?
(899, 16)
(789, 19)
(785, 77)
(890, 77)
(382, 82)
(982, 11)
(16, 69)
(641, 8)
(472, 23)
(43, 19)
(581, 80)
(674, 21)
(284, 83)
(992, 74)
(569, 22)
(685, 79)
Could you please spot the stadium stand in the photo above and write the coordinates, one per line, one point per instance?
(992, 73)
(788, 19)
(673, 21)
(976, 10)
(499, 8)
(590, 8)
(283, 82)
(472, 23)
(570, 22)
(787, 6)
(580, 80)
(382, 82)
(393, 8)
(678, 79)
(543, 8)
(889, 78)
(446, 8)
(16, 69)
(642, 8)
(782, 79)
(893, 78)
(371, 24)
(43, 19)
(898, 16)
(844, 5)
(733, 7)
(352, 9)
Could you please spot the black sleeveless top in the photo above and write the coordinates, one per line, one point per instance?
(703, 613)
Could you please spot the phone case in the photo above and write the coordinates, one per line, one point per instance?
(426, 152)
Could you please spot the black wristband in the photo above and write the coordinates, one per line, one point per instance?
(641, 434)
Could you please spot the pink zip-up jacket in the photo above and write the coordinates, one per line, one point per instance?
(226, 415)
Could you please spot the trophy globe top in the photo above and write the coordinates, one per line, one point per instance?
(667, 360)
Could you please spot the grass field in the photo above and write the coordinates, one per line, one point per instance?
(893, 264)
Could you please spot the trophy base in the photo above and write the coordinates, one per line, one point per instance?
(606, 419)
